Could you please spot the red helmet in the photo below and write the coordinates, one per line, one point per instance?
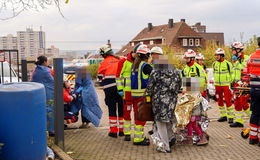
(189, 54)
(237, 45)
(220, 51)
(200, 56)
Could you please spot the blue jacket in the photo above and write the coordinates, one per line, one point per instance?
(43, 75)
(87, 101)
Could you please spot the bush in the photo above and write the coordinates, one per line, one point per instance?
(173, 57)
(93, 69)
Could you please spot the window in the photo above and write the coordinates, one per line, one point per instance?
(151, 42)
(197, 42)
(132, 44)
(184, 42)
(191, 42)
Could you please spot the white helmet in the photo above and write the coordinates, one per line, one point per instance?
(199, 56)
(105, 49)
(157, 50)
(143, 49)
(189, 54)
(237, 45)
(220, 51)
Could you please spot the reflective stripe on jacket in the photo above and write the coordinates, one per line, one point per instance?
(223, 73)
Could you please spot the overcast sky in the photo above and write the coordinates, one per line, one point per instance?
(89, 23)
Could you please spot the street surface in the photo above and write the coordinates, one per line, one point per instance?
(94, 144)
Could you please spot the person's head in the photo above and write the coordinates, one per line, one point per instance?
(42, 60)
(237, 48)
(200, 59)
(189, 56)
(105, 51)
(66, 85)
(156, 52)
(219, 54)
(143, 52)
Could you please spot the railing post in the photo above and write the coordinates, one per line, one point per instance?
(58, 102)
(24, 71)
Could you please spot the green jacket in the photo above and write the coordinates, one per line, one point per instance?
(238, 66)
(195, 70)
(223, 73)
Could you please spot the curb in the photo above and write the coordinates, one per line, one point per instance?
(62, 155)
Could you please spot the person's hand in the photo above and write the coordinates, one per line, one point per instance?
(121, 93)
(74, 96)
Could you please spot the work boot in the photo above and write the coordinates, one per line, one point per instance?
(188, 140)
(236, 124)
(222, 119)
(230, 120)
(253, 141)
(114, 135)
(127, 138)
(172, 142)
(145, 142)
(203, 140)
(121, 134)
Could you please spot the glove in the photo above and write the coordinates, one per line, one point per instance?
(79, 90)
(121, 93)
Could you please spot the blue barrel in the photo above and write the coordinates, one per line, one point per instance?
(22, 121)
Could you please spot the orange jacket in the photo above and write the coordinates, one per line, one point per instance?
(108, 68)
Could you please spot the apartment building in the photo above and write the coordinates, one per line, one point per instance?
(30, 43)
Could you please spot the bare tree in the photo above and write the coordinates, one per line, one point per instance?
(12, 8)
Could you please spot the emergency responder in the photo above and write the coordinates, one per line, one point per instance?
(155, 52)
(240, 101)
(223, 77)
(193, 69)
(253, 69)
(124, 89)
(107, 75)
(139, 79)
(200, 60)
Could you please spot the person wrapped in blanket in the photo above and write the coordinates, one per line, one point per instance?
(87, 99)
(163, 86)
(191, 112)
(68, 97)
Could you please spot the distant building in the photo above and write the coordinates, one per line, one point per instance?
(178, 35)
(218, 37)
(52, 52)
(30, 43)
(8, 42)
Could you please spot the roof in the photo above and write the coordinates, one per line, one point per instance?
(214, 36)
(162, 32)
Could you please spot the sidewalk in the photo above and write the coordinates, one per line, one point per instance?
(94, 144)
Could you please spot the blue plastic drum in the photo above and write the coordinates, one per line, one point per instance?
(22, 121)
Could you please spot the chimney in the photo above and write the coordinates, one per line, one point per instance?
(198, 24)
(183, 20)
(150, 27)
(109, 43)
(170, 23)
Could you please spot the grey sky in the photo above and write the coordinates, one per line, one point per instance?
(89, 23)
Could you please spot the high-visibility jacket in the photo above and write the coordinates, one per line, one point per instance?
(223, 73)
(195, 70)
(254, 69)
(119, 82)
(139, 81)
(107, 71)
(238, 66)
